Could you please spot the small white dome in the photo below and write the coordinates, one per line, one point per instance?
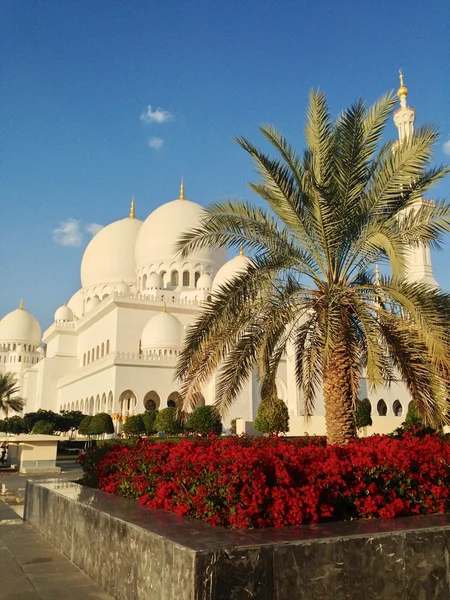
(163, 331)
(205, 281)
(92, 303)
(64, 313)
(154, 282)
(20, 326)
(122, 288)
(233, 267)
(109, 256)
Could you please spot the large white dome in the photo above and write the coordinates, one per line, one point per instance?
(109, 256)
(162, 230)
(163, 331)
(230, 269)
(20, 326)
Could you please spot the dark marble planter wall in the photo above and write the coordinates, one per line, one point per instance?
(135, 553)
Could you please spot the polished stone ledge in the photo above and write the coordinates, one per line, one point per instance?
(136, 553)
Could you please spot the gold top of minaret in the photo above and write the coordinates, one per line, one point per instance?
(182, 190)
(21, 304)
(377, 274)
(132, 214)
(402, 90)
(241, 250)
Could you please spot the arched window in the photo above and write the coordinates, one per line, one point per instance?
(397, 408)
(89, 356)
(186, 279)
(196, 277)
(93, 354)
(173, 399)
(107, 346)
(174, 278)
(84, 359)
(110, 402)
(151, 400)
(163, 277)
(144, 282)
(366, 401)
(98, 352)
(382, 408)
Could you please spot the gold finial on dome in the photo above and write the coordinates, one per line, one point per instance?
(164, 308)
(132, 215)
(21, 304)
(377, 274)
(402, 90)
(241, 250)
(182, 190)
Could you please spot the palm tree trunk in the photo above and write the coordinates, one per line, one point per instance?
(339, 409)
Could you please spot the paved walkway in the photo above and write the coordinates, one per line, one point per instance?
(32, 569)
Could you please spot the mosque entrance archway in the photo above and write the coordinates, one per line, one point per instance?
(127, 402)
(366, 403)
(199, 400)
(110, 403)
(174, 400)
(152, 400)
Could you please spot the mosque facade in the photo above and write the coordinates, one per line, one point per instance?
(113, 347)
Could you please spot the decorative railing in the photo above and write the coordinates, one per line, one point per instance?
(148, 356)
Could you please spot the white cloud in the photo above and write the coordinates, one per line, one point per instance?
(93, 228)
(156, 116)
(156, 143)
(68, 233)
(446, 147)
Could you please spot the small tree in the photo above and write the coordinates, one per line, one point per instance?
(412, 417)
(204, 420)
(362, 416)
(42, 415)
(69, 420)
(84, 426)
(134, 426)
(15, 425)
(44, 428)
(233, 426)
(101, 423)
(149, 418)
(166, 421)
(272, 416)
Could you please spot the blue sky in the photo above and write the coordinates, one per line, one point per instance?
(78, 75)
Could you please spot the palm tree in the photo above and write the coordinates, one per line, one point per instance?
(9, 400)
(331, 215)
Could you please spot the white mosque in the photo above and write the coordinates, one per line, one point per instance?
(113, 346)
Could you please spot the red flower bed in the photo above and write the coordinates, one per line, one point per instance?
(274, 482)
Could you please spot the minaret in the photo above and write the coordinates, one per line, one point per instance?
(405, 116)
(132, 207)
(418, 258)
